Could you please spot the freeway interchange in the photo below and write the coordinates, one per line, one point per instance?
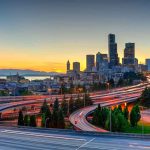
(89, 137)
(119, 96)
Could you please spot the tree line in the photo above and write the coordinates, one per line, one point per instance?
(53, 115)
(116, 120)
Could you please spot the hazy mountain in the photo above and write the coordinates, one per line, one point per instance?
(5, 72)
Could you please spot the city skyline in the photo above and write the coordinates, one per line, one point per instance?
(43, 36)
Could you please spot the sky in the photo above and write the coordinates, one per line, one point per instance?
(43, 34)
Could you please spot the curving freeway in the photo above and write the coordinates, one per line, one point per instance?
(119, 96)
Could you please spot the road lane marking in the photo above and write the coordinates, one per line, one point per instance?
(85, 144)
(40, 135)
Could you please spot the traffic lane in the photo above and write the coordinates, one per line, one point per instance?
(12, 139)
(38, 141)
(79, 120)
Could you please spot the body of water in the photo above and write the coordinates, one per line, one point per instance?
(31, 77)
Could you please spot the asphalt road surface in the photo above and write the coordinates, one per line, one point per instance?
(37, 139)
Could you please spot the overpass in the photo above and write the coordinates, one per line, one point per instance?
(125, 95)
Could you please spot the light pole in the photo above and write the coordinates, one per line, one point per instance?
(108, 84)
(84, 99)
(142, 122)
(110, 120)
(68, 106)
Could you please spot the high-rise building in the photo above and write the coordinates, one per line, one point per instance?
(129, 59)
(112, 50)
(142, 68)
(76, 67)
(101, 60)
(148, 64)
(68, 66)
(90, 60)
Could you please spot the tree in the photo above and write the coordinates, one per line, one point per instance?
(111, 82)
(44, 107)
(78, 103)
(20, 118)
(120, 82)
(95, 117)
(50, 121)
(61, 121)
(26, 120)
(118, 121)
(43, 120)
(120, 109)
(88, 100)
(145, 98)
(114, 125)
(71, 105)
(33, 121)
(100, 116)
(135, 115)
(55, 119)
(99, 107)
(105, 114)
(56, 105)
(126, 113)
(121, 122)
(64, 106)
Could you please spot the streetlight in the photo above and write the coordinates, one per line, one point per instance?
(110, 120)
(142, 123)
(108, 86)
(50, 93)
(68, 106)
(84, 99)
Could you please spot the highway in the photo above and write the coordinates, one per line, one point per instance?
(78, 118)
(39, 139)
(120, 96)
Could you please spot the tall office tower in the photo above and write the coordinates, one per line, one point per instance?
(129, 55)
(68, 66)
(148, 64)
(112, 50)
(76, 67)
(90, 59)
(101, 60)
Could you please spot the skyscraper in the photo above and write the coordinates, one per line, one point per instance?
(76, 67)
(129, 55)
(112, 50)
(68, 66)
(148, 64)
(90, 60)
(101, 60)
